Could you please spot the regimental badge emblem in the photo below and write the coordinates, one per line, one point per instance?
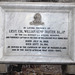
(37, 20)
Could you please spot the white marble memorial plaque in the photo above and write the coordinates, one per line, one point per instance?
(24, 37)
(40, 32)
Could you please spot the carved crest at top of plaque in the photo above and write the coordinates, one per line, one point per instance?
(37, 20)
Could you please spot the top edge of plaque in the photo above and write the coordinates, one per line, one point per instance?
(57, 4)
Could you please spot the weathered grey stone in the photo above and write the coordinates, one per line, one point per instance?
(51, 69)
(71, 69)
(3, 68)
